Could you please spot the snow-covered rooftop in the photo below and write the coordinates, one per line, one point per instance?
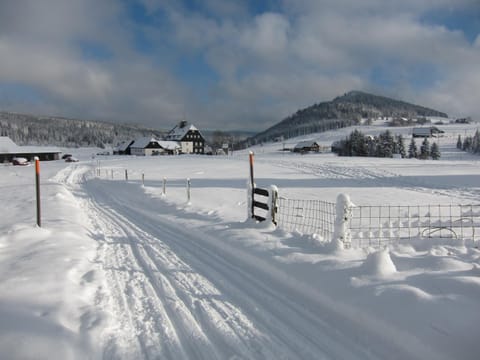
(179, 131)
(8, 146)
(305, 143)
(169, 145)
(123, 145)
(143, 142)
(165, 144)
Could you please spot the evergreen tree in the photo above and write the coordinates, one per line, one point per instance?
(358, 144)
(459, 143)
(412, 149)
(435, 151)
(467, 143)
(476, 143)
(372, 146)
(425, 149)
(401, 146)
(385, 145)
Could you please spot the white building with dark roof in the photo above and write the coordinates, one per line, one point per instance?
(148, 146)
(190, 139)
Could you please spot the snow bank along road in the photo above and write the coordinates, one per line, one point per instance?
(172, 291)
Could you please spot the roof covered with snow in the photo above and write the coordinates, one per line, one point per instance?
(123, 145)
(306, 143)
(179, 131)
(143, 142)
(169, 145)
(8, 146)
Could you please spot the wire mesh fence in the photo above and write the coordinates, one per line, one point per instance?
(306, 216)
(379, 225)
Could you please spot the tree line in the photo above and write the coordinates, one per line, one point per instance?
(26, 129)
(384, 145)
(469, 144)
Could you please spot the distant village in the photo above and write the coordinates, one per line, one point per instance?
(184, 138)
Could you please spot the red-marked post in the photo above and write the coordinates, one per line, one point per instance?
(37, 186)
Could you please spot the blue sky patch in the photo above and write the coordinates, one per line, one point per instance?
(465, 20)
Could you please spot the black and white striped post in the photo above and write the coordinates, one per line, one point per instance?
(37, 188)
(252, 183)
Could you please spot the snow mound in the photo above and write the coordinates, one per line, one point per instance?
(379, 264)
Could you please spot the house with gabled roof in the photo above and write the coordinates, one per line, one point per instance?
(148, 146)
(169, 147)
(306, 146)
(123, 148)
(190, 139)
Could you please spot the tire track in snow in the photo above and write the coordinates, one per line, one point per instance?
(183, 312)
(236, 307)
(155, 319)
(380, 177)
(141, 328)
(290, 323)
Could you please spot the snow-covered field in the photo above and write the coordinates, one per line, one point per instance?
(120, 271)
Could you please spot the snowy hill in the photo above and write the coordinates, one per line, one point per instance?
(342, 111)
(25, 129)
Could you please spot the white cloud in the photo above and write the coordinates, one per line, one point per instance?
(268, 65)
(268, 36)
(457, 94)
(477, 42)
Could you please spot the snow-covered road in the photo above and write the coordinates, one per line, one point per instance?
(174, 291)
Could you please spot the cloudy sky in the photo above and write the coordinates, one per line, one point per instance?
(233, 64)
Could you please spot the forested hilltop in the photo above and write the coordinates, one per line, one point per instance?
(342, 111)
(26, 129)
